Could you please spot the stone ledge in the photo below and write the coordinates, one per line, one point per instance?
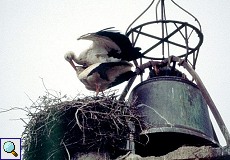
(193, 153)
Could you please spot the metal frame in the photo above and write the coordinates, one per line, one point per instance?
(165, 39)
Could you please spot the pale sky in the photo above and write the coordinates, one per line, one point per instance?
(35, 35)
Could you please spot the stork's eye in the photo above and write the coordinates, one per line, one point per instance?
(84, 65)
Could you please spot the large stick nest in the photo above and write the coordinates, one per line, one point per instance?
(58, 130)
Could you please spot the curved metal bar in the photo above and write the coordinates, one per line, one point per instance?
(166, 39)
(207, 97)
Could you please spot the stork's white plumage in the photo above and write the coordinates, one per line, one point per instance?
(108, 46)
(101, 76)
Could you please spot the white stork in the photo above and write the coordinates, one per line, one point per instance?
(101, 76)
(107, 46)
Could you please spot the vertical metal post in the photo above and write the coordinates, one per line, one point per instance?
(162, 26)
(186, 42)
(130, 143)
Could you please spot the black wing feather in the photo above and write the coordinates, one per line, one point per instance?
(104, 67)
(122, 78)
(128, 52)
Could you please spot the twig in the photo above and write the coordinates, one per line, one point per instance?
(13, 108)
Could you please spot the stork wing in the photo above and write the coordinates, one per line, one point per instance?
(101, 41)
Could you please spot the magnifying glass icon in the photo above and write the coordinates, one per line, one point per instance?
(9, 147)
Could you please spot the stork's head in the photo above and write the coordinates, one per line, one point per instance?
(69, 56)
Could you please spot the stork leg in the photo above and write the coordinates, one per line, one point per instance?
(156, 69)
(97, 89)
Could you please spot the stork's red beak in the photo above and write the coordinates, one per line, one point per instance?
(73, 65)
